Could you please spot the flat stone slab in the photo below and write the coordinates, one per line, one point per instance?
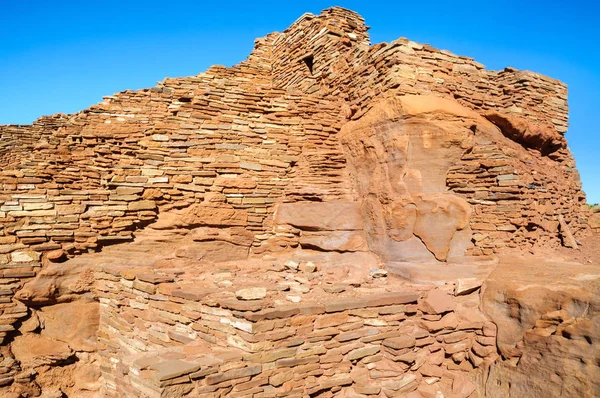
(167, 370)
(339, 305)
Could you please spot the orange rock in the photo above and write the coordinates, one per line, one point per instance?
(35, 350)
(437, 301)
(327, 216)
(199, 215)
(544, 138)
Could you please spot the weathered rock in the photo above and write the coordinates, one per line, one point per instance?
(327, 216)
(74, 323)
(58, 283)
(438, 301)
(400, 169)
(547, 325)
(35, 350)
(544, 138)
(341, 241)
(199, 215)
(236, 235)
(213, 251)
(412, 250)
(439, 217)
(251, 293)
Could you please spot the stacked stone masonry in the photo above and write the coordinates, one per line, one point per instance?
(244, 140)
(165, 336)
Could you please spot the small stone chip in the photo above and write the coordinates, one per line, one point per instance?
(294, 299)
(378, 273)
(310, 267)
(251, 293)
(292, 264)
(335, 288)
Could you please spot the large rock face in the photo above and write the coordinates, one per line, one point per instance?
(400, 153)
(315, 221)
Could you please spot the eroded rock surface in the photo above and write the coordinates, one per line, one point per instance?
(59, 283)
(543, 138)
(400, 153)
(548, 322)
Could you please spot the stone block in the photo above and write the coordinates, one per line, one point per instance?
(33, 213)
(25, 256)
(400, 342)
(141, 205)
(437, 301)
(167, 370)
(252, 293)
(362, 352)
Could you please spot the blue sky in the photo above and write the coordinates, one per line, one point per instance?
(63, 56)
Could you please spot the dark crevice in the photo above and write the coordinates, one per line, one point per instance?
(309, 61)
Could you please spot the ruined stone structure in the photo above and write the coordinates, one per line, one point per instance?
(273, 229)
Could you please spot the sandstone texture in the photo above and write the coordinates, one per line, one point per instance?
(548, 326)
(326, 218)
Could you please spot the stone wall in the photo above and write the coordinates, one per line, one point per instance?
(515, 200)
(165, 336)
(110, 169)
(244, 136)
(231, 145)
(95, 176)
(239, 112)
(344, 65)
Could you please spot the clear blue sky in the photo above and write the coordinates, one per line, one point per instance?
(63, 55)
